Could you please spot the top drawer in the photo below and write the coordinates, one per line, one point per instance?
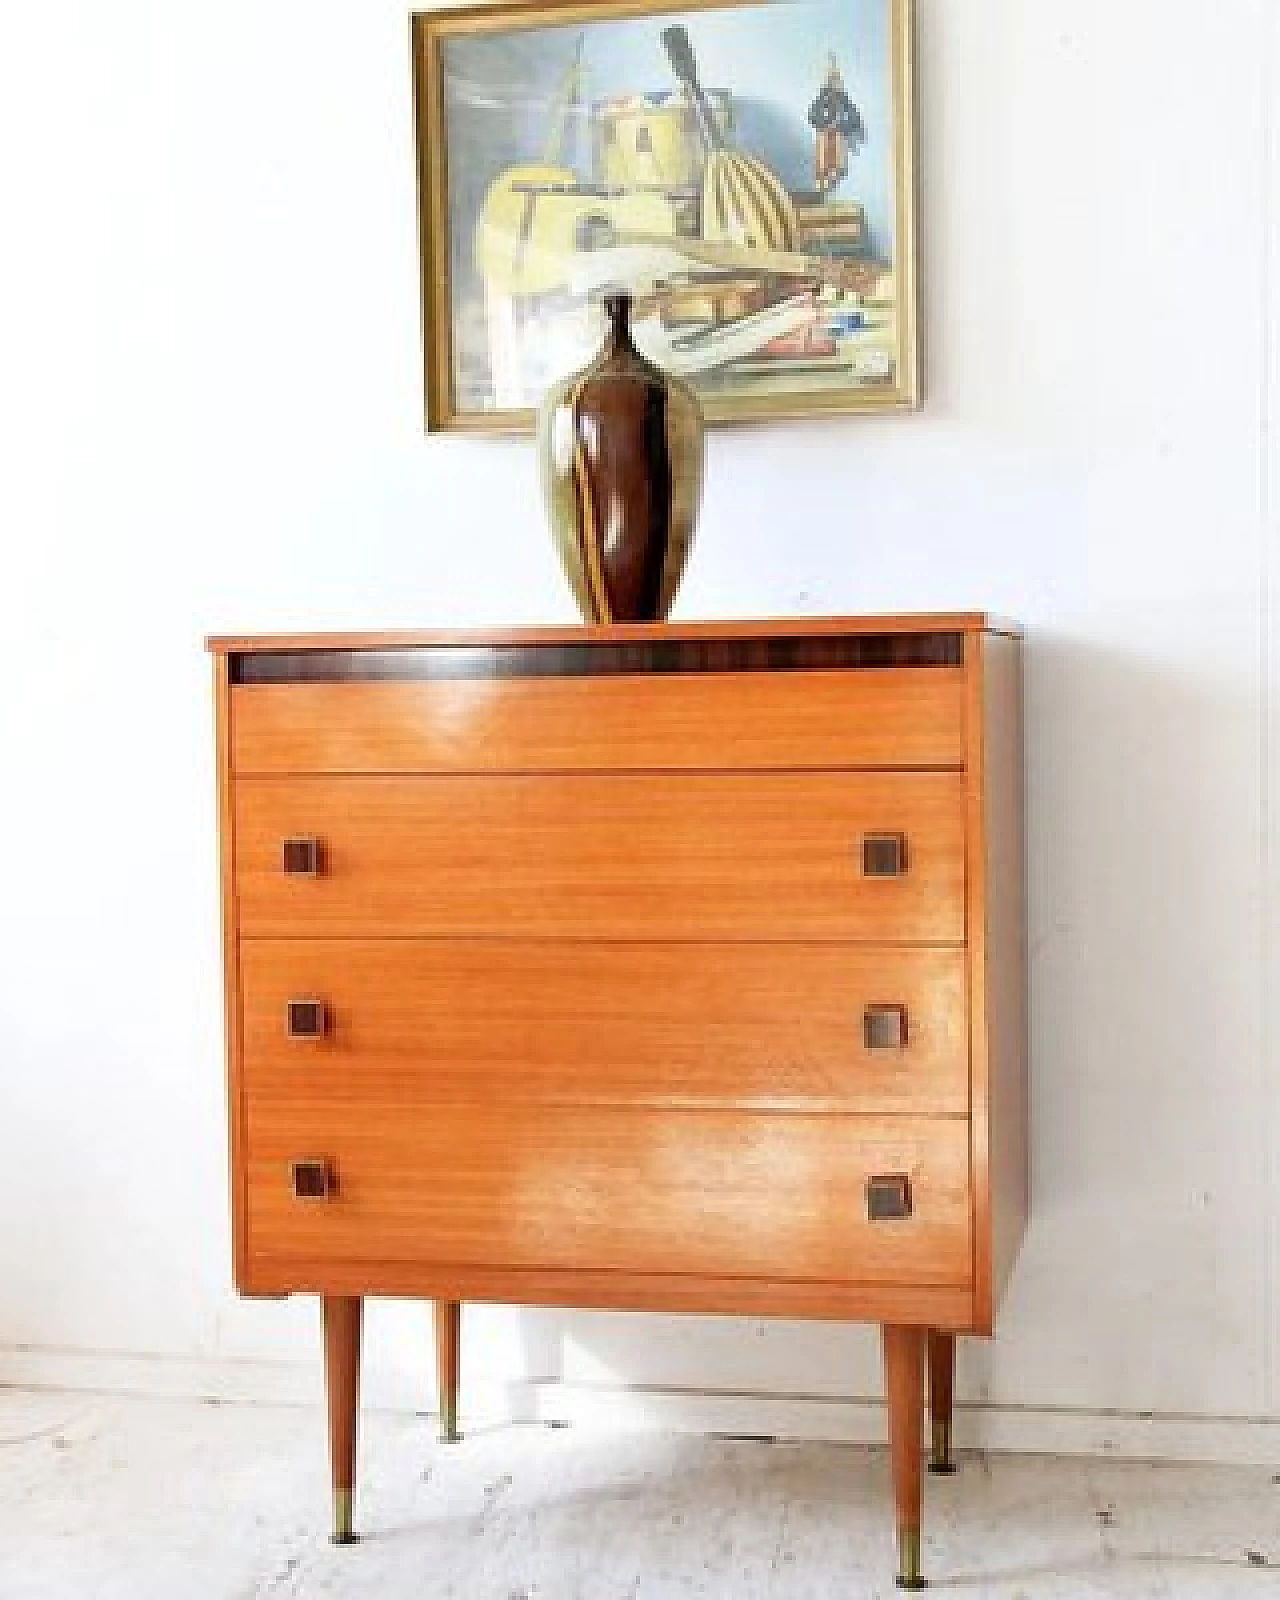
(906, 717)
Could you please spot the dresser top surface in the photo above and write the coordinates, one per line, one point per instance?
(626, 633)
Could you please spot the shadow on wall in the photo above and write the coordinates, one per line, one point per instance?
(505, 1352)
(1143, 896)
(1144, 968)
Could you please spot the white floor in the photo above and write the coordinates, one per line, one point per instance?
(127, 1499)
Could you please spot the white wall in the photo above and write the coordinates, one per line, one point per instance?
(209, 407)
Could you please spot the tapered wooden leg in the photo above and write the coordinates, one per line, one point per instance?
(341, 1316)
(448, 1320)
(942, 1370)
(904, 1388)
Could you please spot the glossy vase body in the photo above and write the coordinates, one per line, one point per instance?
(620, 449)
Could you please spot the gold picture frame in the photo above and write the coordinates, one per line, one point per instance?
(764, 217)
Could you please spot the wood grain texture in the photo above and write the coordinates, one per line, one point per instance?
(621, 633)
(920, 1305)
(760, 1026)
(594, 944)
(596, 658)
(701, 856)
(341, 1317)
(904, 1393)
(942, 1364)
(900, 717)
(997, 949)
(447, 1328)
(697, 1193)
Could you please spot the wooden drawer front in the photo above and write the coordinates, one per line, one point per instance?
(730, 1194)
(699, 856)
(895, 717)
(749, 1025)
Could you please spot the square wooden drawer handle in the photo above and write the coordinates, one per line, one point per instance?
(312, 1180)
(884, 855)
(884, 1028)
(302, 857)
(889, 1197)
(307, 1019)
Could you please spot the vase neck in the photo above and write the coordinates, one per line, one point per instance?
(617, 308)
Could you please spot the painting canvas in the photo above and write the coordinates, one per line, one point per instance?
(745, 171)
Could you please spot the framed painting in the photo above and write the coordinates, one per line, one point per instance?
(745, 171)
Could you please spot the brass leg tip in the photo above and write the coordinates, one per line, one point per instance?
(941, 1461)
(449, 1427)
(343, 1519)
(909, 1560)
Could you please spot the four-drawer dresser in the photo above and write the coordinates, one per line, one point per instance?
(676, 968)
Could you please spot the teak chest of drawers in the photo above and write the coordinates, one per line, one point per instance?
(673, 968)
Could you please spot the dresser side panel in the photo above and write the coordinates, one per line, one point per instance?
(1007, 981)
(224, 737)
(997, 927)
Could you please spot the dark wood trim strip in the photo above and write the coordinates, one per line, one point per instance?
(862, 651)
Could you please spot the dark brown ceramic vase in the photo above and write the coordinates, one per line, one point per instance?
(620, 452)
